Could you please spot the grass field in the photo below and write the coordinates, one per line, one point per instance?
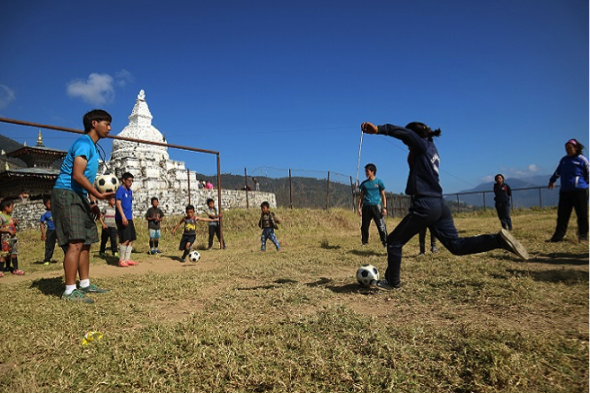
(296, 321)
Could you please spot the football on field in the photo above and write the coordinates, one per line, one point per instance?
(106, 183)
(194, 256)
(367, 274)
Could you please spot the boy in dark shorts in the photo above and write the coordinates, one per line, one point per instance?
(73, 214)
(190, 230)
(154, 216)
(124, 220)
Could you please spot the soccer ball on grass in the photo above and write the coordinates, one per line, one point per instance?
(367, 274)
(194, 256)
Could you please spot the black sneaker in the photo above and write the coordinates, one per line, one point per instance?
(511, 244)
(383, 284)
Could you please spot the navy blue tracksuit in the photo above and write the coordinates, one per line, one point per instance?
(427, 208)
(502, 194)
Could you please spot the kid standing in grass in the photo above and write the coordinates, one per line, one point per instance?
(109, 228)
(427, 207)
(154, 216)
(9, 251)
(48, 235)
(268, 223)
(190, 230)
(372, 205)
(214, 228)
(502, 194)
(124, 220)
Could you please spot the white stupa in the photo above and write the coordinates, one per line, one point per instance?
(150, 164)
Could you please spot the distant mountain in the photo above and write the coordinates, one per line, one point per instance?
(9, 145)
(520, 198)
(307, 192)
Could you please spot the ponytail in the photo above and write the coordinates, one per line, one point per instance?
(423, 130)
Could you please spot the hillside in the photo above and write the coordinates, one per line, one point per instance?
(307, 192)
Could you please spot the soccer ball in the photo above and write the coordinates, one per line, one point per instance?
(194, 256)
(367, 274)
(106, 183)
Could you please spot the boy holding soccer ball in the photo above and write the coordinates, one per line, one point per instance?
(73, 214)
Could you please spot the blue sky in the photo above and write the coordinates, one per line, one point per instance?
(274, 85)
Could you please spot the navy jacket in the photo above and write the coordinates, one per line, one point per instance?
(502, 193)
(423, 161)
(573, 171)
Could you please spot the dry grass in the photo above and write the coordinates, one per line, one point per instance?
(245, 321)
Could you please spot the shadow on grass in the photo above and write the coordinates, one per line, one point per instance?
(560, 258)
(565, 276)
(49, 286)
(366, 253)
(342, 289)
(329, 247)
(267, 287)
(322, 282)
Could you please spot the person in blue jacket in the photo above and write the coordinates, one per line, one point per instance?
(427, 206)
(573, 170)
(502, 194)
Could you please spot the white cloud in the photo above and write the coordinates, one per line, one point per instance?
(7, 96)
(123, 77)
(98, 89)
(530, 170)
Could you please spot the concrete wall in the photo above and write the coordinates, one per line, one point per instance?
(171, 202)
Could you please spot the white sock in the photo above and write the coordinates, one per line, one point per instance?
(123, 251)
(129, 247)
(69, 289)
(84, 283)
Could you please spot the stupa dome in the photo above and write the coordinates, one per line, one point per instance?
(140, 127)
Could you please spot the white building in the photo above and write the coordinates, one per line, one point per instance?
(156, 175)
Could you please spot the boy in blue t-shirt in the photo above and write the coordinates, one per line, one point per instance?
(124, 220)
(372, 205)
(48, 233)
(73, 214)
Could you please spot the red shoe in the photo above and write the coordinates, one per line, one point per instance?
(18, 272)
(131, 262)
(122, 263)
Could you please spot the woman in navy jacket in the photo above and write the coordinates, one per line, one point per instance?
(573, 170)
(428, 208)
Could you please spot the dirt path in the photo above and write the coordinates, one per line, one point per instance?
(147, 264)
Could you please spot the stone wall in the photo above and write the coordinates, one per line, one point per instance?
(171, 202)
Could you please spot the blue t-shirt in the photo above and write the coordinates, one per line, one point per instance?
(48, 220)
(126, 197)
(82, 147)
(372, 190)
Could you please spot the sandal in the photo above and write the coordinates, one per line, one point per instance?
(1, 274)
(18, 272)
